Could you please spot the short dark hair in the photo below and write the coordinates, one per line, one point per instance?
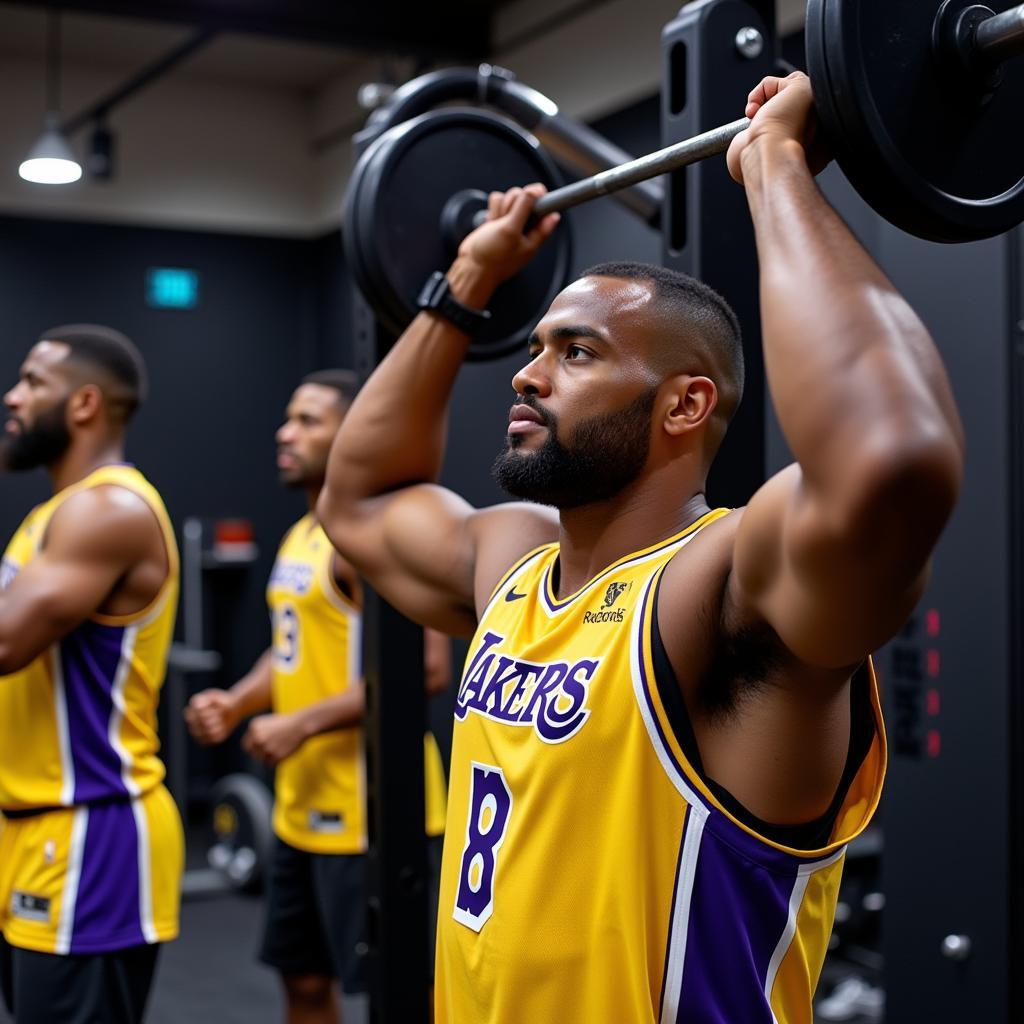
(108, 359)
(706, 328)
(345, 382)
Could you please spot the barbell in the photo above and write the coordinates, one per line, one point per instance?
(917, 100)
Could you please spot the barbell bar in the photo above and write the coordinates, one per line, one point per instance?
(671, 158)
(1001, 36)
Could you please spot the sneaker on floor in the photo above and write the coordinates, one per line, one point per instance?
(852, 999)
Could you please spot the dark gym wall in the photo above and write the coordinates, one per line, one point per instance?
(220, 374)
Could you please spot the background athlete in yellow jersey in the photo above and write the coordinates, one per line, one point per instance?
(311, 677)
(91, 849)
(662, 739)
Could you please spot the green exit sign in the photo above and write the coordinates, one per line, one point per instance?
(172, 288)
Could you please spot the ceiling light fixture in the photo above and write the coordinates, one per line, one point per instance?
(51, 162)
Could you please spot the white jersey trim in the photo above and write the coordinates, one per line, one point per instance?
(72, 876)
(119, 707)
(145, 874)
(796, 899)
(60, 707)
(696, 818)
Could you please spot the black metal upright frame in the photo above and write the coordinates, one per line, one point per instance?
(1015, 810)
(706, 223)
(397, 955)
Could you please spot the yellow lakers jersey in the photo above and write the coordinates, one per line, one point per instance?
(78, 724)
(590, 874)
(320, 790)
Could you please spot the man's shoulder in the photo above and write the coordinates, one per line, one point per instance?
(106, 515)
(505, 535)
(693, 595)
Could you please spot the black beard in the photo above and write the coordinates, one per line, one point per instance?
(42, 444)
(603, 455)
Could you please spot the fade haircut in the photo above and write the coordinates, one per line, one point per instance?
(702, 333)
(345, 382)
(106, 358)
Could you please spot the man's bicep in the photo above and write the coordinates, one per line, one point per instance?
(414, 548)
(52, 595)
(435, 557)
(828, 590)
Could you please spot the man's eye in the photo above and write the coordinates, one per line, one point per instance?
(575, 352)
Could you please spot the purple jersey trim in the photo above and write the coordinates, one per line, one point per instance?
(107, 914)
(545, 587)
(738, 912)
(90, 657)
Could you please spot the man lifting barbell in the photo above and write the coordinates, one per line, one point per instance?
(668, 728)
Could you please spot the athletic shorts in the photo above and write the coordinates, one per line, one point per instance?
(93, 878)
(95, 988)
(316, 913)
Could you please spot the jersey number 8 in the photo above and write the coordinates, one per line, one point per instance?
(490, 806)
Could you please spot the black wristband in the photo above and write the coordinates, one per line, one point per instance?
(436, 296)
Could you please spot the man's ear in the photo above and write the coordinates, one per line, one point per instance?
(690, 404)
(84, 404)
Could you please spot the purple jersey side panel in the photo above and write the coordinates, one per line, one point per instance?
(90, 657)
(107, 914)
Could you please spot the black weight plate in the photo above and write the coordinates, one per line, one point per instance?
(392, 229)
(917, 136)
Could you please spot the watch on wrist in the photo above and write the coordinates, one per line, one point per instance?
(436, 296)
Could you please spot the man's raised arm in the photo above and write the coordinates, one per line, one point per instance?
(415, 542)
(833, 553)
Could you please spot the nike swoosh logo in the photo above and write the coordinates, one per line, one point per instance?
(513, 596)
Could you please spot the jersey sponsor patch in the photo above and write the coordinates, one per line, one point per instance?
(608, 612)
(614, 592)
(549, 696)
(326, 821)
(30, 907)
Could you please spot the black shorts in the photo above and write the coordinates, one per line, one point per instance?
(316, 913)
(88, 988)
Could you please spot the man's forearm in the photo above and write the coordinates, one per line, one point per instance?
(253, 693)
(394, 434)
(851, 368)
(339, 712)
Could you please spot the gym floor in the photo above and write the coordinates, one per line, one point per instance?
(213, 977)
